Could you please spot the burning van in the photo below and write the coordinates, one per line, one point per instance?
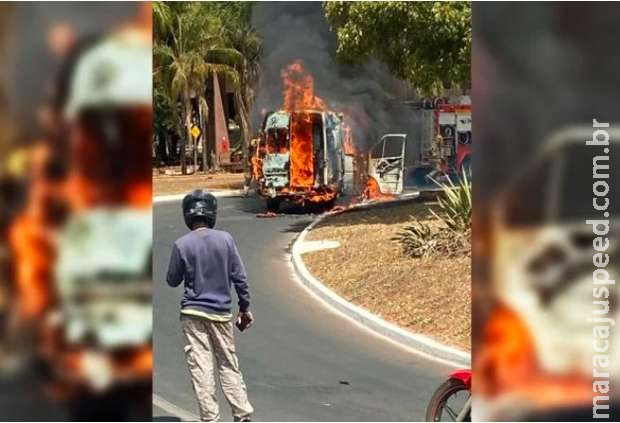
(305, 152)
(299, 157)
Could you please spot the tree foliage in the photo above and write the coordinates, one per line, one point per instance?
(425, 43)
(194, 41)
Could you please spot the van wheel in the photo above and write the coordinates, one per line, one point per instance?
(273, 205)
(328, 205)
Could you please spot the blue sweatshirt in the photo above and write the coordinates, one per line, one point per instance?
(208, 262)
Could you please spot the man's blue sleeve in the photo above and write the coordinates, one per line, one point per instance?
(239, 277)
(176, 268)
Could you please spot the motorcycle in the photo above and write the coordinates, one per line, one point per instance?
(452, 399)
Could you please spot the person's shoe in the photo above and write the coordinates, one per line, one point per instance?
(243, 419)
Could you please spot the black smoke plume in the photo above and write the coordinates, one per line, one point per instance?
(365, 93)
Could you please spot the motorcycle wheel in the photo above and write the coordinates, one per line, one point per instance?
(440, 407)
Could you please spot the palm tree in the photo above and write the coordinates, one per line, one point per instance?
(247, 42)
(227, 62)
(186, 34)
(243, 49)
(203, 113)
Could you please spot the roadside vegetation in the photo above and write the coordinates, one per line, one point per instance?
(193, 43)
(169, 185)
(425, 43)
(452, 235)
(428, 294)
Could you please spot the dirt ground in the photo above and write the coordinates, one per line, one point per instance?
(431, 296)
(178, 184)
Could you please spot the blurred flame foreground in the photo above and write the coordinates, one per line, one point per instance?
(535, 357)
(80, 248)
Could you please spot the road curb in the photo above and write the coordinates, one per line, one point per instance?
(417, 342)
(220, 193)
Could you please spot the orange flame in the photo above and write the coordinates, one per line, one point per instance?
(299, 96)
(322, 197)
(348, 145)
(302, 163)
(257, 164)
(507, 364)
(122, 177)
(373, 191)
(31, 238)
(299, 89)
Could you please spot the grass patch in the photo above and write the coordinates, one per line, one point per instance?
(180, 184)
(429, 295)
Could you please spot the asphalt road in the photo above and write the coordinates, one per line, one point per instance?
(301, 361)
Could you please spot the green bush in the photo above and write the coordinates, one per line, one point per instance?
(420, 240)
(453, 237)
(455, 205)
(416, 239)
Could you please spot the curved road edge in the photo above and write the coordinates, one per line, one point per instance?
(420, 344)
(216, 193)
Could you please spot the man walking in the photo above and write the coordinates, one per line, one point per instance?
(208, 263)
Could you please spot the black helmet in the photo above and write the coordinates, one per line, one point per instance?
(199, 205)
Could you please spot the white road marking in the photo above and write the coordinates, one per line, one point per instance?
(311, 246)
(176, 411)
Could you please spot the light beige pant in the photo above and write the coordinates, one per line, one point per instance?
(205, 341)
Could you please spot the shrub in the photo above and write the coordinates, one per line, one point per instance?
(416, 239)
(453, 237)
(455, 204)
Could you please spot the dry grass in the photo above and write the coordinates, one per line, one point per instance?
(178, 184)
(430, 296)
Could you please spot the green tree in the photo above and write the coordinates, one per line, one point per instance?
(238, 35)
(189, 48)
(425, 43)
(165, 129)
(193, 42)
(246, 41)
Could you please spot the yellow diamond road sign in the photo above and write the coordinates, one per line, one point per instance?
(195, 132)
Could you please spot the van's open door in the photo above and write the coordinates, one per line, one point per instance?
(387, 163)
